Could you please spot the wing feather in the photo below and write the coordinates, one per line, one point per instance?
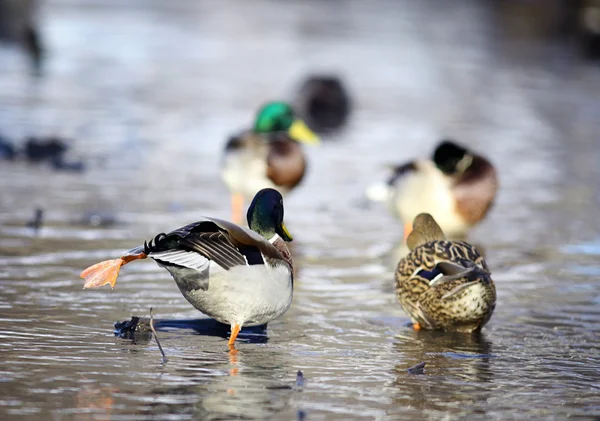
(225, 244)
(215, 246)
(188, 259)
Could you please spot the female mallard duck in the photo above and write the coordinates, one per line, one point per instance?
(457, 187)
(269, 155)
(237, 276)
(324, 103)
(441, 284)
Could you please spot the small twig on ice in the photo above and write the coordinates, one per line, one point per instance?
(164, 357)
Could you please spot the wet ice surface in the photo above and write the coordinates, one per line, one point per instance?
(149, 93)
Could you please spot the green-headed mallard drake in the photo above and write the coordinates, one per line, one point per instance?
(237, 276)
(269, 155)
(441, 284)
(323, 102)
(456, 186)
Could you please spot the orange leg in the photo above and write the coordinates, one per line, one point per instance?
(106, 272)
(407, 230)
(235, 330)
(416, 326)
(237, 208)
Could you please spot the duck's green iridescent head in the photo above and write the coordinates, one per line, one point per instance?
(265, 215)
(279, 117)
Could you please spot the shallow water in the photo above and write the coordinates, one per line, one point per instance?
(149, 92)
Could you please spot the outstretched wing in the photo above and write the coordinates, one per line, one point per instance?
(195, 244)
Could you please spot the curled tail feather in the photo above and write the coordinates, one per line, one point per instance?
(106, 272)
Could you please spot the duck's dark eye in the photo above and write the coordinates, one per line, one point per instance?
(278, 213)
(430, 275)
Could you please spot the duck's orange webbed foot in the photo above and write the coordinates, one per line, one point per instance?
(106, 272)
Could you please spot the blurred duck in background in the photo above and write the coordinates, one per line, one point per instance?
(323, 102)
(589, 28)
(456, 186)
(18, 24)
(558, 20)
(267, 156)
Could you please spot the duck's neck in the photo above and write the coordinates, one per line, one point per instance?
(256, 224)
(464, 163)
(282, 247)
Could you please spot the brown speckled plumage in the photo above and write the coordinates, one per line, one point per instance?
(445, 285)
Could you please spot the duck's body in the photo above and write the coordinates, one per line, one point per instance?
(323, 101)
(18, 24)
(268, 156)
(246, 286)
(456, 187)
(232, 274)
(255, 161)
(422, 187)
(441, 284)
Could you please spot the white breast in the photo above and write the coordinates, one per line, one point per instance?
(245, 171)
(246, 295)
(427, 190)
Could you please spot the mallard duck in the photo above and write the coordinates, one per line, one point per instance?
(269, 155)
(237, 276)
(456, 186)
(323, 101)
(588, 28)
(18, 24)
(441, 284)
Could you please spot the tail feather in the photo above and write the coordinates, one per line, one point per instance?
(107, 271)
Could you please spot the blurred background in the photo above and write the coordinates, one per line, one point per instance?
(113, 119)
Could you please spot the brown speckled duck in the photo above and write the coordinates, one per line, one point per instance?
(441, 284)
(456, 186)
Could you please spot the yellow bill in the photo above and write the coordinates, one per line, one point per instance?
(284, 233)
(300, 132)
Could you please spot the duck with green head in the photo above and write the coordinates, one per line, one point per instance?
(456, 186)
(237, 276)
(267, 156)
